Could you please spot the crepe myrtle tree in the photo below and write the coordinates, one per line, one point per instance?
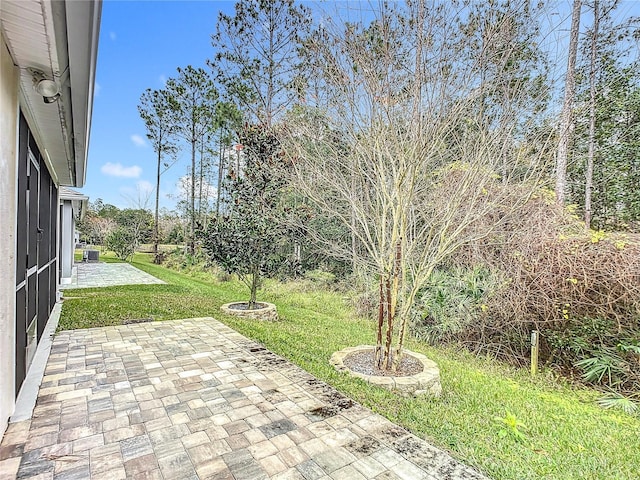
(398, 156)
(246, 241)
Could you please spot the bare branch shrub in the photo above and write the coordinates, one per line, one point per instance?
(555, 277)
(408, 148)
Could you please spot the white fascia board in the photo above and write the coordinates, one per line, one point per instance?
(83, 32)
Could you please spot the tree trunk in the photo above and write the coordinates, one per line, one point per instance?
(201, 179)
(378, 352)
(255, 278)
(156, 217)
(354, 257)
(398, 284)
(220, 169)
(192, 226)
(387, 349)
(566, 117)
(588, 185)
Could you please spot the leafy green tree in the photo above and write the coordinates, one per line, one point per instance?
(104, 210)
(138, 222)
(256, 56)
(257, 63)
(616, 172)
(246, 240)
(228, 121)
(122, 242)
(604, 175)
(159, 119)
(193, 97)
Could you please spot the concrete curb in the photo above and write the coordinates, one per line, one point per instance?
(267, 313)
(426, 382)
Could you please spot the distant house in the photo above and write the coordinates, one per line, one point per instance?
(48, 52)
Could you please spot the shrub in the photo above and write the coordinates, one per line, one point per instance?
(122, 242)
(452, 302)
(557, 278)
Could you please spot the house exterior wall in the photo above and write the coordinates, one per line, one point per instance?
(67, 247)
(28, 240)
(9, 75)
(43, 146)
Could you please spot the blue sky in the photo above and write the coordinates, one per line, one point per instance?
(141, 45)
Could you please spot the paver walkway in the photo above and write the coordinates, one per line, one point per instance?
(92, 275)
(191, 399)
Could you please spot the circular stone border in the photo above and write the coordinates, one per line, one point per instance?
(426, 382)
(267, 313)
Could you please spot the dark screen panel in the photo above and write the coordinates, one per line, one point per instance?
(53, 284)
(44, 217)
(53, 253)
(43, 300)
(32, 205)
(21, 233)
(21, 336)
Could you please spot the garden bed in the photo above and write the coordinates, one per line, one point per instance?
(417, 374)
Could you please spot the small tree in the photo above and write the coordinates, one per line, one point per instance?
(157, 114)
(97, 228)
(401, 158)
(122, 242)
(246, 240)
(566, 117)
(193, 97)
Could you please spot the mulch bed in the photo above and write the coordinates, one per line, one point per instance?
(364, 363)
(245, 306)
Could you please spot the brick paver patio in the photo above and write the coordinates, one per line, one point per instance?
(193, 399)
(93, 275)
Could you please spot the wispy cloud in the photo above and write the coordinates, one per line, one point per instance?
(96, 89)
(112, 36)
(138, 141)
(117, 170)
(145, 186)
(183, 188)
(163, 79)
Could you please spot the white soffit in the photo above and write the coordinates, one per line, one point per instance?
(59, 38)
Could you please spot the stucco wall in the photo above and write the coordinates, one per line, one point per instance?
(9, 75)
(67, 247)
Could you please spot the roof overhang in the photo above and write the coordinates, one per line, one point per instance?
(79, 202)
(60, 39)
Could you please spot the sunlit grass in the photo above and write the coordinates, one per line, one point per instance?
(565, 435)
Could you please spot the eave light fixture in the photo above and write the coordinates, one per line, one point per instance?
(46, 87)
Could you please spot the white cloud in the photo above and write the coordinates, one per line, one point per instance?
(183, 188)
(163, 79)
(96, 89)
(112, 36)
(138, 141)
(145, 187)
(117, 170)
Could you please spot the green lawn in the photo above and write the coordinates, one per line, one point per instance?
(566, 436)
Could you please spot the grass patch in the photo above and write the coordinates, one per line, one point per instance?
(106, 257)
(565, 435)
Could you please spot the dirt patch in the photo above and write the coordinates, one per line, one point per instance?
(321, 413)
(364, 362)
(329, 395)
(130, 321)
(364, 446)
